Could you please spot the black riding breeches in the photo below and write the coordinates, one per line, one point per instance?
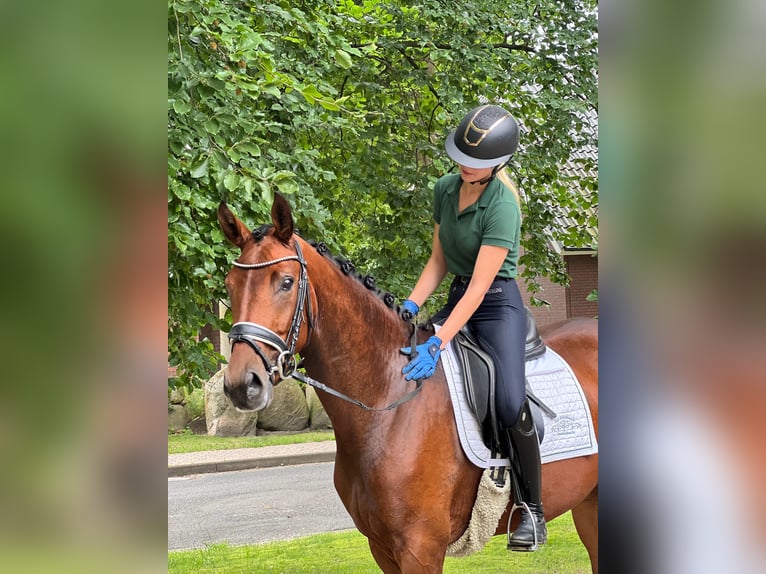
(499, 325)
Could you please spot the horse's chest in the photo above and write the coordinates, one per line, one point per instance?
(367, 495)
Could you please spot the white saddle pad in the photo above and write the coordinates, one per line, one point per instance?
(569, 435)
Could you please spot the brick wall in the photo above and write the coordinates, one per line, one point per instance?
(554, 294)
(583, 269)
(566, 302)
(208, 332)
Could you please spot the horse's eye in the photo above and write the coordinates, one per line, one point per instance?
(287, 283)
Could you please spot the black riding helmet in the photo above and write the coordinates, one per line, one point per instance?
(486, 137)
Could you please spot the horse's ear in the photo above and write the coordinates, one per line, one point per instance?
(282, 217)
(234, 230)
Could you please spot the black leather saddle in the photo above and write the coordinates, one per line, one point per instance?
(479, 379)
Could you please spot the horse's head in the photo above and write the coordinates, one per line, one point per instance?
(270, 300)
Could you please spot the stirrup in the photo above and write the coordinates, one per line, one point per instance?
(516, 548)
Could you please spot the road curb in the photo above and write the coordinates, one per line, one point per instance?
(265, 457)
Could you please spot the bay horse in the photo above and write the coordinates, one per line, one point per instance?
(399, 471)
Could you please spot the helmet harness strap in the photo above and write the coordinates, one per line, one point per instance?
(492, 175)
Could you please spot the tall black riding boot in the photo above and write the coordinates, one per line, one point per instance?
(526, 466)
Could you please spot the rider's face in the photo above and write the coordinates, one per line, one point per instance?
(473, 174)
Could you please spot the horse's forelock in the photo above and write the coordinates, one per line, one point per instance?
(261, 232)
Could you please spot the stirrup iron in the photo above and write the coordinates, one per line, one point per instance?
(535, 546)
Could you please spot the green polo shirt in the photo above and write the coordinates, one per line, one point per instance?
(494, 219)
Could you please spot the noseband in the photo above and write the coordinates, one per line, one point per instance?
(252, 333)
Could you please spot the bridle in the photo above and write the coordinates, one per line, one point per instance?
(251, 333)
(286, 365)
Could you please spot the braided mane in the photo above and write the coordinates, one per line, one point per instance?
(345, 266)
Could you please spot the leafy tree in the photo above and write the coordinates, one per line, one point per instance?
(342, 106)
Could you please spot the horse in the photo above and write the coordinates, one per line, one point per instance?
(399, 470)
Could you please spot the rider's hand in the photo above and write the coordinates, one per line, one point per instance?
(408, 310)
(426, 357)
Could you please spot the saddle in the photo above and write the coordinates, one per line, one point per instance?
(479, 379)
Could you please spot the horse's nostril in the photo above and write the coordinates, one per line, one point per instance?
(253, 381)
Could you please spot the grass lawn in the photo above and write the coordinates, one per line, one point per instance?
(187, 442)
(347, 553)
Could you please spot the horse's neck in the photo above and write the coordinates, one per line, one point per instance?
(355, 341)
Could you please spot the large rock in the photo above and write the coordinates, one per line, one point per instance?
(177, 397)
(318, 418)
(221, 418)
(178, 417)
(288, 410)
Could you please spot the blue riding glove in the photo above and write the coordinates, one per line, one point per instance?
(424, 363)
(409, 310)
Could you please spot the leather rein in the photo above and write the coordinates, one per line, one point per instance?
(286, 365)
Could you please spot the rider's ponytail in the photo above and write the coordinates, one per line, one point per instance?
(505, 179)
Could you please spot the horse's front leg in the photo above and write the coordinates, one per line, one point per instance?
(417, 553)
(423, 560)
(384, 559)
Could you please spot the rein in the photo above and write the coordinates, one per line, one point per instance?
(316, 384)
(287, 365)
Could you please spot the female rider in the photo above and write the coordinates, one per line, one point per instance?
(476, 238)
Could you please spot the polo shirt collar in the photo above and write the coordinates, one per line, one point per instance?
(484, 199)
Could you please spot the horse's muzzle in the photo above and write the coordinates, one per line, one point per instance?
(249, 393)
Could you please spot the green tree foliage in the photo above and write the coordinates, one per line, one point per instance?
(342, 106)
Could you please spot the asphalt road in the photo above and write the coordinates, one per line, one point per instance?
(253, 506)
